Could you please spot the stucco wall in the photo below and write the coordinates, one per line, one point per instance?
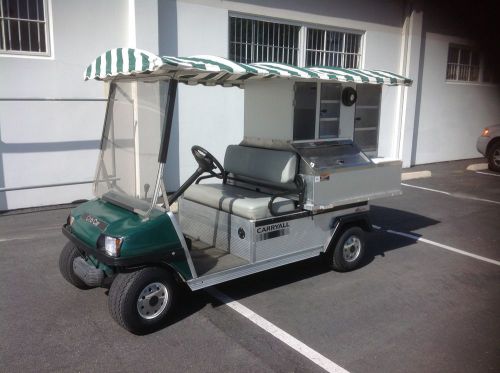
(213, 117)
(50, 120)
(452, 114)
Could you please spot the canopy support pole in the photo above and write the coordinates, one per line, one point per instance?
(165, 140)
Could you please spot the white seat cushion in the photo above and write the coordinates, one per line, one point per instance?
(274, 167)
(234, 200)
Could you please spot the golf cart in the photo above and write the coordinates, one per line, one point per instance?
(290, 190)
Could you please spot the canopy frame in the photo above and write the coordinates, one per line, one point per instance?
(130, 63)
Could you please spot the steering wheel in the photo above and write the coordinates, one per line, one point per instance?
(207, 162)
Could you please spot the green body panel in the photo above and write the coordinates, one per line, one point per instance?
(141, 237)
(182, 267)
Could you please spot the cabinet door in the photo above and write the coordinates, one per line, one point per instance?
(366, 120)
(304, 116)
(329, 110)
(316, 115)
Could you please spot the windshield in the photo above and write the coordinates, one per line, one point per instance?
(128, 166)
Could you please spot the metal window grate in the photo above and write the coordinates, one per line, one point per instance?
(23, 26)
(260, 41)
(333, 48)
(463, 64)
(252, 40)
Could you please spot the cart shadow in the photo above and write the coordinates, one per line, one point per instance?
(399, 220)
(380, 242)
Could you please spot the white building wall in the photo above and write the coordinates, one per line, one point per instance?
(50, 119)
(213, 117)
(452, 114)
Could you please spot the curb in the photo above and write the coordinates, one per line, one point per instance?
(477, 167)
(29, 210)
(415, 175)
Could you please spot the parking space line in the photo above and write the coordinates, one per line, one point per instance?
(452, 194)
(443, 246)
(278, 333)
(429, 189)
(486, 173)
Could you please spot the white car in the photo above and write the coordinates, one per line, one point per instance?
(488, 144)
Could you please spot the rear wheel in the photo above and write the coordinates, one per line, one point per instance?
(348, 251)
(68, 254)
(494, 157)
(142, 301)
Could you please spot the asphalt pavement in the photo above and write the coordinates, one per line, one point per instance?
(413, 306)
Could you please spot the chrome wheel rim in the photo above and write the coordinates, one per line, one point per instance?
(496, 157)
(152, 300)
(351, 249)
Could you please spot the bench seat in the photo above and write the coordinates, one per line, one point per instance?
(235, 200)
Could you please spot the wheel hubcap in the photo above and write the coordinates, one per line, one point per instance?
(352, 249)
(496, 157)
(152, 300)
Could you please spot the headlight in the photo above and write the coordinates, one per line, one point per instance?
(486, 132)
(70, 220)
(112, 245)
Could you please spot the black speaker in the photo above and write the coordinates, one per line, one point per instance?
(349, 96)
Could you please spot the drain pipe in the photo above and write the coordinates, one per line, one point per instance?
(403, 69)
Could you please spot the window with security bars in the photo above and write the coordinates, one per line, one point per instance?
(333, 48)
(260, 41)
(23, 27)
(252, 40)
(463, 64)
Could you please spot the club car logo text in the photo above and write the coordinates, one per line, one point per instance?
(273, 230)
(94, 221)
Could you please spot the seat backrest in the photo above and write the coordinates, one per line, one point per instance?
(273, 167)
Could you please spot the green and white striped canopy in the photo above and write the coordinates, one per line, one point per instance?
(211, 70)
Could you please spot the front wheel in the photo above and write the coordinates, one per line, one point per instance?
(142, 301)
(494, 157)
(348, 251)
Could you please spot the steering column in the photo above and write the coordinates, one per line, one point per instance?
(206, 163)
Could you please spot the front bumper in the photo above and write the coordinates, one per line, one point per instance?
(87, 249)
(131, 261)
(92, 276)
(482, 144)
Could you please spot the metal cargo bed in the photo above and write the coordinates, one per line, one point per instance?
(337, 173)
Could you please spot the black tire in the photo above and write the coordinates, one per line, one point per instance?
(493, 153)
(124, 299)
(343, 263)
(68, 254)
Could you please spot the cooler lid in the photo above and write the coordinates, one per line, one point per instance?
(329, 154)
